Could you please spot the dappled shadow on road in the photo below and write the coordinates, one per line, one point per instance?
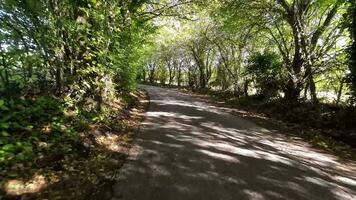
(192, 150)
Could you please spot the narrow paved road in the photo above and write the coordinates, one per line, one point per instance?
(191, 150)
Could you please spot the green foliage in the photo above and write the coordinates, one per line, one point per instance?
(266, 71)
(63, 64)
(21, 122)
(74, 50)
(80, 49)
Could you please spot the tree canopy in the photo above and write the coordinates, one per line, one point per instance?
(308, 38)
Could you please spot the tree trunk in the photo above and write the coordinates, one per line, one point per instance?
(58, 79)
(312, 88)
(236, 89)
(292, 92)
(6, 73)
(339, 93)
(202, 78)
(170, 80)
(179, 77)
(246, 88)
(152, 76)
(191, 80)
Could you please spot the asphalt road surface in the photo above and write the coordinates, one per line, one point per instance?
(188, 149)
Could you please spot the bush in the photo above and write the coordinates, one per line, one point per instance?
(266, 72)
(26, 122)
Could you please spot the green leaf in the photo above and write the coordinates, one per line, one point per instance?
(4, 134)
(4, 125)
(8, 147)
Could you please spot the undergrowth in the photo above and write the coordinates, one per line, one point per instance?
(49, 149)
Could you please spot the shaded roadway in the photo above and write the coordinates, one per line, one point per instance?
(189, 149)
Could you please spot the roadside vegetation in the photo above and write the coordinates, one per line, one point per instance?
(68, 97)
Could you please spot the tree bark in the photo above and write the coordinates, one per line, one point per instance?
(246, 88)
(339, 93)
(179, 74)
(292, 92)
(58, 79)
(312, 90)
